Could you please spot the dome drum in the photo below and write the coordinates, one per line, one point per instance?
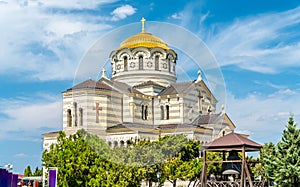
(164, 79)
(141, 60)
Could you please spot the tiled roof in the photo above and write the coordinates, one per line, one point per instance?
(210, 118)
(178, 88)
(51, 134)
(176, 125)
(123, 87)
(101, 85)
(153, 127)
(130, 125)
(92, 85)
(147, 83)
(232, 141)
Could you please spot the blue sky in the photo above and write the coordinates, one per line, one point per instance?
(256, 44)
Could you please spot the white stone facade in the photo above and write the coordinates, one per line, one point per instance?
(142, 100)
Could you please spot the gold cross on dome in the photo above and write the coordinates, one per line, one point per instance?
(143, 24)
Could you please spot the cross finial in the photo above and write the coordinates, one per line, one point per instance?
(223, 108)
(104, 73)
(143, 24)
(199, 76)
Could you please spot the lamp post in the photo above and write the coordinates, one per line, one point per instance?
(158, 174)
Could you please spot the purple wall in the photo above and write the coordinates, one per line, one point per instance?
(8, 179)
(52, 177)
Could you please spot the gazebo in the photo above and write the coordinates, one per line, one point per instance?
(228, 143)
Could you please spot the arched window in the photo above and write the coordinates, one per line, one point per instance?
(156, 62)
(142, 112)
(146, 113)
(122, 143)
(167, 112)
(69, 118)
(115, 143)
(162, 112)
(169, 64)
(75, 114)
(80, 116)
(141, 61)
(125, 63)
(128, 142)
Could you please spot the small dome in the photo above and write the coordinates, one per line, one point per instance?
(143, 39)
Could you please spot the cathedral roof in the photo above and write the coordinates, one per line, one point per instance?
(122, 87)
(91, 84)
(177, 88)
(143, 39)
(51, 134)
(130, 125)
(151, 128)
(147, 83)
(220, 118)
(105, 84)
(210, 118)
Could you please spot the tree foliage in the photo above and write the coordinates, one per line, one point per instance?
(216, 167)
(27, 171)
(85, 160)
(77, 162)
(38, 172)
(282, 162)
(185, 164)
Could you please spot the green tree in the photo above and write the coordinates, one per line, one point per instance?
(85, 160)
(27, 171)
(255, 167)
(78, 164)
(140, 157)
(123, 176)
(192, 170)
(38, 172)
(267, 149)
(185, 164)
(216, 167)
(282, 164)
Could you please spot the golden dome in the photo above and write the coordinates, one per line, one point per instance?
(143, 39)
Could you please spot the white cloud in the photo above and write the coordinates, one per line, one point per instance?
(25, 118)
(66, 4)
(122, 12)
(265, 43)
(20, 155)
(269, 84)
(203, 17)
(191, 15)
(43, 44)
(177, 16)
(264, 117)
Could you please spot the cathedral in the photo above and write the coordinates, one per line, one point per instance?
(142, 99)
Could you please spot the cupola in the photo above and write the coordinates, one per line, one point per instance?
(143, 57)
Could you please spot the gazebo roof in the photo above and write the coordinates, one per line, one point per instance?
(232, 141)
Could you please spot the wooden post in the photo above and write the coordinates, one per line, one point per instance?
(243, 184)
(203, 174)
(248, 175)
(224, 159)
